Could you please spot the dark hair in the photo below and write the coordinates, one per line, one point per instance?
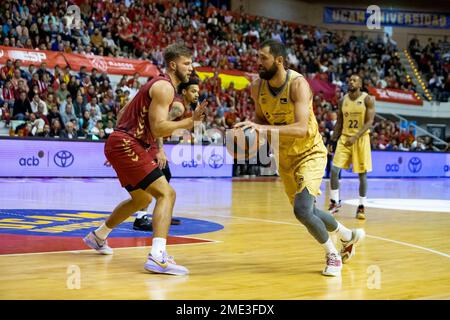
(275, 48)
(184, 85)
(176, 50)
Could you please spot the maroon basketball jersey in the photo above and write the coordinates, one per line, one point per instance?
(135, 120)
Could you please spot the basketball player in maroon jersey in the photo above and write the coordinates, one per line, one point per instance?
(182, 107)
(132, 149)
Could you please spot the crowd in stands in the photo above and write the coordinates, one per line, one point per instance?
(74, 104)
(433, 61)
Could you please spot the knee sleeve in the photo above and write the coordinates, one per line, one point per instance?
(303, 206)
(334, 181)
(304, 212)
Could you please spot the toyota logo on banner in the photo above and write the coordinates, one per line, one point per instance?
(415, 165)
(215, 161)
(63, 158)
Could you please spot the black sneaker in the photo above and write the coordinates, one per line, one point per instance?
(143, 224)
(360, 213)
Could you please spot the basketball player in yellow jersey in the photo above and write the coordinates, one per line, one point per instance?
(355, 117)
(283, 102)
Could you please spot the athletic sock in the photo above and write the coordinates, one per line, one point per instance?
(329, 246)
(158, 248)
(362, 201)
(334, 195)
(103, 231)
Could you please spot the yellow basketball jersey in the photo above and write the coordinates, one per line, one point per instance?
(354, 112)
(279, 110)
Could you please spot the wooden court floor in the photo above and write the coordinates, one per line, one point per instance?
(261, 252)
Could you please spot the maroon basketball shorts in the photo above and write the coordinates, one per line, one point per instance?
(134, 164)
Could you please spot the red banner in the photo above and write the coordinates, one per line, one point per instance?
(110, 65)
(35, 57)
(396, 96)
(317, 86)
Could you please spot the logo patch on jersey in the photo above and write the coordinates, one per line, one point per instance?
(346, 114)
(283, 100)
(263, 100)
(359, 102)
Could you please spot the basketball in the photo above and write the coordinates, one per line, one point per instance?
(244, 144)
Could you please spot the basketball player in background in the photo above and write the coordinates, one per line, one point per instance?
(355, 118)
(131, 150)
(283, 101)
(184, 104)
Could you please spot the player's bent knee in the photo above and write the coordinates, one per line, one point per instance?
(303, 206)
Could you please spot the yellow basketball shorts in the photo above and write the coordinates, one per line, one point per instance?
(359, 154)
(297, 173)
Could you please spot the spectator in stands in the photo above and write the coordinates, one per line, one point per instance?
(85, 124)
(96, 129)
(56, 129)
(7, 71)
(70, 131)
(46, 132)
(8, 93)
(22, 107)
(68, 114)
(109, 128)
(37, 125)
(408, 135)
(53, 114)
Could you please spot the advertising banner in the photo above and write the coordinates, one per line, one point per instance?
(53, 158)
(388, 17)
(35, 57)
(395, 164)
(395, 96)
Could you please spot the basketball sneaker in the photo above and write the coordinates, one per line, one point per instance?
(360, 214)
(143, 224)
(348, 247)
(334, 206)
(166, 266)
(101, 246)
(334, 265)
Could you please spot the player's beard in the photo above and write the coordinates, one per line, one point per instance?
(181, 77)
(270, 73)
(352, 89)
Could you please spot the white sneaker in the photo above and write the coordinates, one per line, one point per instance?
(349, 247)
(334, 265)
(98, 244)
(167, 265)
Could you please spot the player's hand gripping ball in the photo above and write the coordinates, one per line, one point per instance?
(244, 144)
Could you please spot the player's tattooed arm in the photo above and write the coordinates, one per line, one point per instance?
(338, 127)
(176, 111)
